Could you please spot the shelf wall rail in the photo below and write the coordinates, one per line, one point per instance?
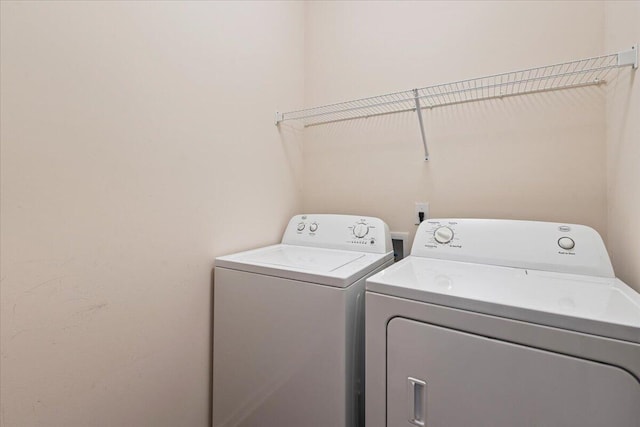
(572, 74)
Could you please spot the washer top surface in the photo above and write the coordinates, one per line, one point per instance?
(594, 305)
(314, 260)
(333, 250)
(332, 267)
(511, 287)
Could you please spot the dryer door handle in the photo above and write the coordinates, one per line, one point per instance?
(417, 400)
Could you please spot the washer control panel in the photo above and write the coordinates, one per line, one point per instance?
(347, 232)
(360, 229)
(536, 245)
(443, 234)
(566, 243)
(438, 233)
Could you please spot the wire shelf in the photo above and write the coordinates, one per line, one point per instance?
(579, 73)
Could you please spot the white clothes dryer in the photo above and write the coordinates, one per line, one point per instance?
(499, 323)
(289, 325)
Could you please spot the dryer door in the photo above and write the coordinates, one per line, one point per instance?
(438, 377)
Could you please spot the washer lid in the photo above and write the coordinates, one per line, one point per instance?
(318, 265)
(594, 305)
(309, 259)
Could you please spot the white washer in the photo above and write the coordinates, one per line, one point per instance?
(289, 325)
(496, 323)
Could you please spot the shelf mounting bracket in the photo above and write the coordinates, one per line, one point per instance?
(419, 113)
(279, 117)
(629, 57)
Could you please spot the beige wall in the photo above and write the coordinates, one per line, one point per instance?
(622, 29)
(537, 157)
(137, 144)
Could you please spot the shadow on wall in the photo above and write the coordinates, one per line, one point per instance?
(618, 91)
(291, 135)
(210, 371)
(536, 156)
(532, 111)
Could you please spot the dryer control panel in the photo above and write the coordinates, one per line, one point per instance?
(346, 232)
(547, 246)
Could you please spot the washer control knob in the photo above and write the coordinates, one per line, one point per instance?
(360, 230)
(566, 243)
(313, 227)
(443, 234)
(301, 226)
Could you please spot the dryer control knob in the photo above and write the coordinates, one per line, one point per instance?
(566, 243)
(443, 234)
(360, 230)
(313, 227)
(301, 226)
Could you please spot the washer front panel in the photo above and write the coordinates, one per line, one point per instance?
(470, 380)
(381, 309)
(278, 345)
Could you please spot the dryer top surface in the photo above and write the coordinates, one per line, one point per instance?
(589, 304)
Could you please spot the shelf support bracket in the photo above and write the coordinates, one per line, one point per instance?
(419, 113)
(629, 57)
(279, 117)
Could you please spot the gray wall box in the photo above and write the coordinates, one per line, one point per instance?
(400, 241)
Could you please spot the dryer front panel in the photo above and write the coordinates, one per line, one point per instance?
(440, 377)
